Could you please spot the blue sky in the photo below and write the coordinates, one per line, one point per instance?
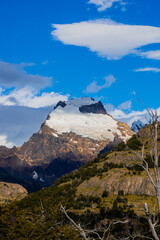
(55, 49)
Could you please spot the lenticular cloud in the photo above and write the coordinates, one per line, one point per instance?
(105, 37)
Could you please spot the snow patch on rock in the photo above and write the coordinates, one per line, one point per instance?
(55, 134)
(35, 175)
(41, 179)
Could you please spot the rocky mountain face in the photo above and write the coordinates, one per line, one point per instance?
(74, 133)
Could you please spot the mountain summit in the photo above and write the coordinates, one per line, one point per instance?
(87, 118)
(85, 105)
(137, 125)
(75, 132)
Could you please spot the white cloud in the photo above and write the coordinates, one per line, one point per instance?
(109, 80)
(109, 107)
(147, 69)
(14, 75)
(45, 62)
(149, 54)
(24, 64)
(123, 9)
(94, 87)
(130, 116)
(107, 38)
(125, 105)
(23, 104)
(30, 97)
(133, 93)
(104, 4)
(4, 142)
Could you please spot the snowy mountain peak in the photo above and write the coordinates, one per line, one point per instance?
(77, 102)
(137, 125)
(84, 105)
(85, 117)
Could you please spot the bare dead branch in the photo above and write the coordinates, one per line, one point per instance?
(94, 232)
(82, 232)
(108, 229)
(151, 154)
(143, 152)
(123, 222)
(145, 167)
(151, 225)
(154, 156)
(42, 210)
(146, 108)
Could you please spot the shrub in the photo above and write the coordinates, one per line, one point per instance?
(121, 193)
(115, 204)
(148, 159)
(86, 201)
(105, 194)
(134, 143)
(108, 166)
(135, 167)
(120, 147)
(122, 200)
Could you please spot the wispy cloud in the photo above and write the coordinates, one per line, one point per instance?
(107, 38)
(30, 97)
(147, 69)
(155, 55)
(133, 93)
(24, 64)
(125, 105)
(45, 62)
(14, 75)
(102, 5)
(94, 87)
(109, 107)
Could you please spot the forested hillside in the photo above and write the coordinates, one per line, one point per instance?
(107, 193)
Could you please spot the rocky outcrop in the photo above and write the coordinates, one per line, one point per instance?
(116, 180)
(61, 104)
(93, 108)
(10, 192)
(124, 129)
